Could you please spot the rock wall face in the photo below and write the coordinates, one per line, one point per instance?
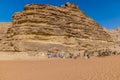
(5, 42)
(4, 27)
(50, 26)
(115, 34)
(58, 21)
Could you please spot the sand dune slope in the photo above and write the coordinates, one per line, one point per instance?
(107, 68)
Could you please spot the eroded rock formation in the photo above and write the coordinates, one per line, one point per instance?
(66, 20)
(5, 42)
(42, 27)
(4, 27)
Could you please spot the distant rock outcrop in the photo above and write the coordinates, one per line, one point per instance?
(42, 27)
(114, 33)
(5, 42)
(4, 27)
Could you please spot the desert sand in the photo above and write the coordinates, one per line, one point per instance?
(95, 68)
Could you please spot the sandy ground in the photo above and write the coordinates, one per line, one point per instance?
(20, 56)
(107, 68)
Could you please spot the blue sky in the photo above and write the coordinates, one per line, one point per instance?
(105, 12)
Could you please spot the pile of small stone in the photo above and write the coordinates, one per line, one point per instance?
(107, 52)
(101, 52)
(86, 54)
(63, 55)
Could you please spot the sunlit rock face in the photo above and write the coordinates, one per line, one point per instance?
(5, 42)
(42, 27)
(4, 26)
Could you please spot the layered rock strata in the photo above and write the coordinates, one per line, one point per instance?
(42, 27)
(57, 21)
(5, 41)
(4, 26)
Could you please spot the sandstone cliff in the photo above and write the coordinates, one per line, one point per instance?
(66, 20)
(115, 34)
(42, 27)
(3, 28)
(5, 41)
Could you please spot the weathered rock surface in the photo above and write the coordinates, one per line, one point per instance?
(3, 28)
(42, 27)
(5, 41)
(115, 34)
(66, 20)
